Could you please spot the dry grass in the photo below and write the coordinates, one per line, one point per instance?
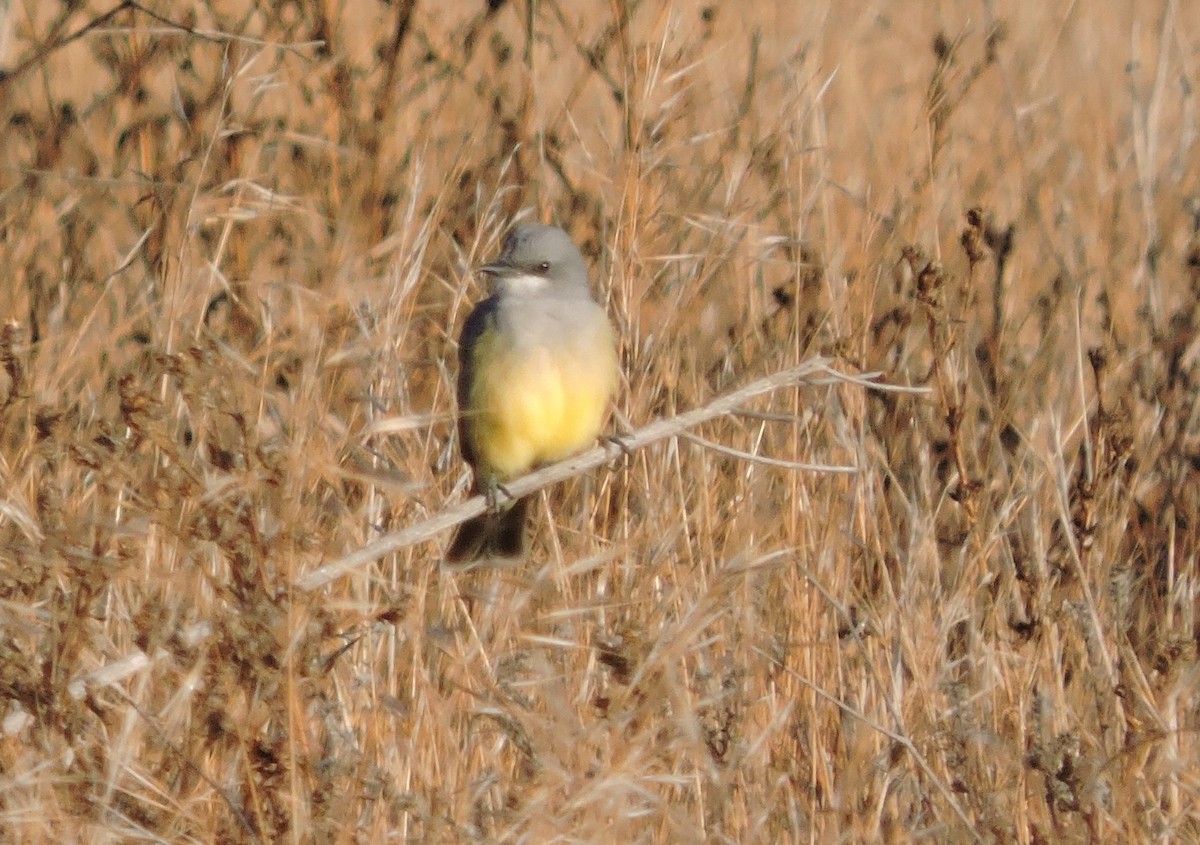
(236, 260)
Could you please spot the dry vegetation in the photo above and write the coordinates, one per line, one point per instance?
(236, 239)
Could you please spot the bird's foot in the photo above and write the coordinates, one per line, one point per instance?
(621, 441)
(496, 494)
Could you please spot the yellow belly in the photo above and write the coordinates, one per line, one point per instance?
(532, 406)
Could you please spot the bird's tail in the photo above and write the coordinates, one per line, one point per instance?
(498, 536)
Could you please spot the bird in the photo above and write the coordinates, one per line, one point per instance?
(537, 372)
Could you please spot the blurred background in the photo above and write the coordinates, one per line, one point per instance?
(237, 241)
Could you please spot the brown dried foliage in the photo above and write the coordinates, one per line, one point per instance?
(237, 239)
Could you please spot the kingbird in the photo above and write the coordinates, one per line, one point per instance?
(537, 371)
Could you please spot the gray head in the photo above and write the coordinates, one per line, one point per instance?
(539, 259)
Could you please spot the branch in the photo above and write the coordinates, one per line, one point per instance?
(42, 54)
(813, 371)
(7, 76)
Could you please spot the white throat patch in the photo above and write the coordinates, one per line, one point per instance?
(524, 283)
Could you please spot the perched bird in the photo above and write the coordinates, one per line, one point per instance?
(537, 371)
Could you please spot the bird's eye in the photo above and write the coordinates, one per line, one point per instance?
(544, 267)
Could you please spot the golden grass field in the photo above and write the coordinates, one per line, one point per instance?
(237, 241)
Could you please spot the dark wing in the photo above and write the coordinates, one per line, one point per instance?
(477, 323)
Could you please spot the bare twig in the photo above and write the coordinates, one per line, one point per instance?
(42, 54)
(46, 50)
(101, 21)
(815, 370)
(750, 457)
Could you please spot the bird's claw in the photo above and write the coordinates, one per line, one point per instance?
(492, 491)
(620, 441)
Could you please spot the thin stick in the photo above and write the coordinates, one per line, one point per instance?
(751, 458)
(812, 371)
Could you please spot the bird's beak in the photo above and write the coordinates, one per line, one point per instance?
(496, 268)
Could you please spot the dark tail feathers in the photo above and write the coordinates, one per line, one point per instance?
(491, 536)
